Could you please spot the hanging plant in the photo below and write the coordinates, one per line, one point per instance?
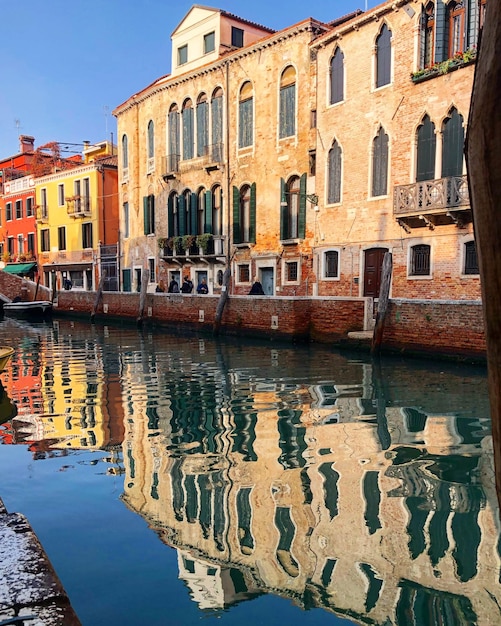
(163, 242)
(203, 241)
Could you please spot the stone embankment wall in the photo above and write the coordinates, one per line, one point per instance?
(13, 286)
(452, 329)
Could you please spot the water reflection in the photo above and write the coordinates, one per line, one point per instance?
(366, 489)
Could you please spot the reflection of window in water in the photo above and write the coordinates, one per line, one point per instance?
(244, 513)
(176, 477)
(372, 495)
(154, 486)
(415, 421)
(286, 529)
(205, 517)
(219, 513)
(291, 442)
(417, 603)
(244, 435)
(327, 572)
(306, 486)
(191, 498)
(331, 494)
(132, 463)
(374, 586)
(323, 395)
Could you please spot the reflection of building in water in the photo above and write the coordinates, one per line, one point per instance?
(66, 403)
(335, 496)
(213, 586)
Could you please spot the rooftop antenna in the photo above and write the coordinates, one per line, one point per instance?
(17, 124)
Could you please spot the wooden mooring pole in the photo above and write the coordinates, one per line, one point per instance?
(222, 301)
(99, 295)
(145, 278)
(382, 307)
(483, 158)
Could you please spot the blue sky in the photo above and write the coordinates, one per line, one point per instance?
(66, 64)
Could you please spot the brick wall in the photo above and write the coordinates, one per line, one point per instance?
(447, 328)
(13, 286)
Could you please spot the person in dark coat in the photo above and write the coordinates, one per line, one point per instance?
(173, 286)
(203, 287)
(256, 289)
(187, 286)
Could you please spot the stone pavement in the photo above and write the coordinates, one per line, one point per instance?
(31, 594)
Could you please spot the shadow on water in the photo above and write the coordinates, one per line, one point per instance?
(364, 488)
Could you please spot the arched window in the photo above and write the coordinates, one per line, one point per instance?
(383, 57)
(202, 125)
(334, 174)
(380, 163)
(217, 125)
(125, 152)
(293, 208)
(455, 31)
(452, 145)
(337, 77)
(245, 116)
(151, 139)
(151, 147)
(426, 150)
(244, 214)
(173, 147)
(173, 215)
(217, 209)
(188, 139)
(287, 124)
(428, 34)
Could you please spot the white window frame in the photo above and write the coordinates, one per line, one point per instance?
(412, 244)
(60, 195)
(285, 280)
(323, 264)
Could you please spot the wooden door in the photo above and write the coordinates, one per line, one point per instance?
(373, 263)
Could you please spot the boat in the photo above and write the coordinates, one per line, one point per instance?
(34, 309)
(5, 353)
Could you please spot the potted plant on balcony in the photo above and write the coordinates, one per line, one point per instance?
(203, 241)
(187, 241)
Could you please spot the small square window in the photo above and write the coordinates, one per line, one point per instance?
(182, 55)
(237, 37)
(243, 274)
(209, 42)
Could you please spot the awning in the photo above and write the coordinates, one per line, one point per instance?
(19, 268)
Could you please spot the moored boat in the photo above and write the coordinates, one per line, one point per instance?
(5, 354)
(35, 309)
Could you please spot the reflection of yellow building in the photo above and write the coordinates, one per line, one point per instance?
(368, 508)
(75, 407)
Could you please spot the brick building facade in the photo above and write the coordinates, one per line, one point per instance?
(301, 157)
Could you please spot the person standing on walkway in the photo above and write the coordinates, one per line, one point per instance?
(187, 286)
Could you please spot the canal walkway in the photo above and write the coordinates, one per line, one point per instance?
(31, 594)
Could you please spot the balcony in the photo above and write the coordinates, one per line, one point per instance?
(42, 214)
(433, 203)
(193, 249)
(170, 166)
(79, 206)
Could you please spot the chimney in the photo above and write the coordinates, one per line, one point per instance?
(26, 143)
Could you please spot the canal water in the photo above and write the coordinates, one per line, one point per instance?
(174, 480)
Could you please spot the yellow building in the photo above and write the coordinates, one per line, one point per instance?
(77, 221)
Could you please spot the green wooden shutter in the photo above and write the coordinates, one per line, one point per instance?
(236, 216)
(252, 220)
(146, 220)
(284, 210)
(301, 226)
(208, 212)
(181, 210)
(170, 217)
(193, 214)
